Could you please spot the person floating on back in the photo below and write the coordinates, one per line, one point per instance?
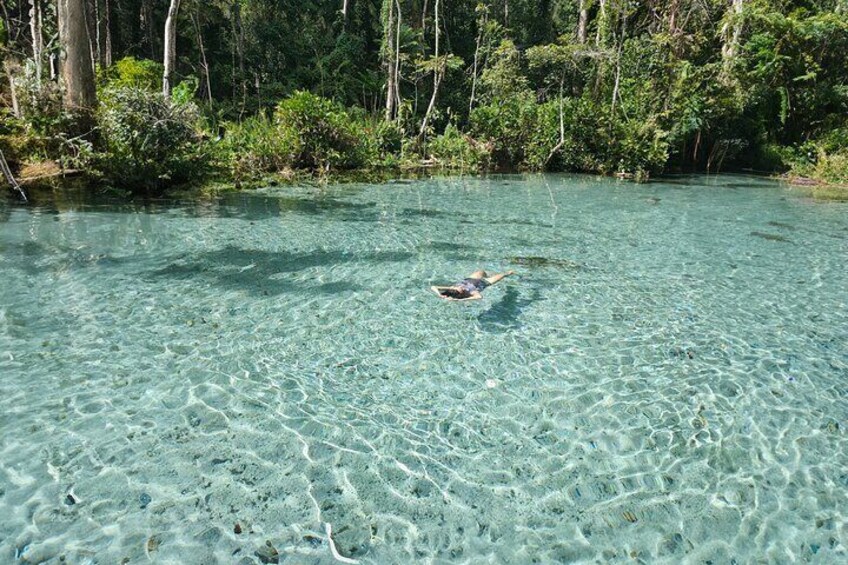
(470, 288)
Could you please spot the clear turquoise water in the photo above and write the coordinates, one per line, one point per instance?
(669, 386)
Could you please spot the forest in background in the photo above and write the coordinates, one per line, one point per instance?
(150, 94)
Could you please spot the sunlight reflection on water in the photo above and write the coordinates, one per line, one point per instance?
(216, 381)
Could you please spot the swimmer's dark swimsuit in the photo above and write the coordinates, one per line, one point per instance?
(465, 289)
(470, 285)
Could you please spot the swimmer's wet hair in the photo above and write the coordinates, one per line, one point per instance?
(454, 293)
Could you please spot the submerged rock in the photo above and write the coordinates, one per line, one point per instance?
(781, 225)
(770, 236)
(268, 553)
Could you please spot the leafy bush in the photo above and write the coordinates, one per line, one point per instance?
(385, 140)
(150, 143)
(130, 72)
(453, 149)
(832, 168)
(508, 125)
(636, 147)
(327, 137)
(259, 145)
(577, 151)
(40, 103)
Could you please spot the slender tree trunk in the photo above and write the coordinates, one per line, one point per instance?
(437, 76)
(424, 18)
(390, 59)
(98, 39)
(482, 22)
(583, 21)
(107, 24)
(732, 31)
(392, 14)
(91, 31)
(10, 74)
(561, 142)
(204, 64)
(148, 34)
(240, 50)
(602, 22)
(100, 32)
(35, 25)
(170, 47)
(77, 72)
(615, 89)
(398, 20)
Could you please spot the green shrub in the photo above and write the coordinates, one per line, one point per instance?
(130, 72)
(150, 143)
(455, 150)
(578, 150)
(327, 137)
(40, 103)
(508, 125)
(824, 160)
(636, 147)
(385, 141)
(832, 168)
(258, 145)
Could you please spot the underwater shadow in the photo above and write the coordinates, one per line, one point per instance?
(504, 315)
(258, 271)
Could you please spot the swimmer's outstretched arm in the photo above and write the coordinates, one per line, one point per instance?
(498, 277)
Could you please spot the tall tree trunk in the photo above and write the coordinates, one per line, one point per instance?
(239, 37)
(390, 53)
(35, 25)
(91, 30)
(731, 32)
(98, 33)
(424, 18)
(602, 22)
(615, 90)
(170, 47)
(583, 21)
(204, 64)
(107, 24)
(438, 71)
(100, 23)
(11, 71)
(398, 20)
(147, 27)
(482, 22)
(561, 142)
(77, 72)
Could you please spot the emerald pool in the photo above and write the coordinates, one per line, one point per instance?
(225, 380)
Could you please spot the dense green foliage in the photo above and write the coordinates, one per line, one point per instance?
(630, 88)
(148, 141)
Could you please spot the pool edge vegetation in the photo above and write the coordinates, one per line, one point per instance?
(193, 95)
